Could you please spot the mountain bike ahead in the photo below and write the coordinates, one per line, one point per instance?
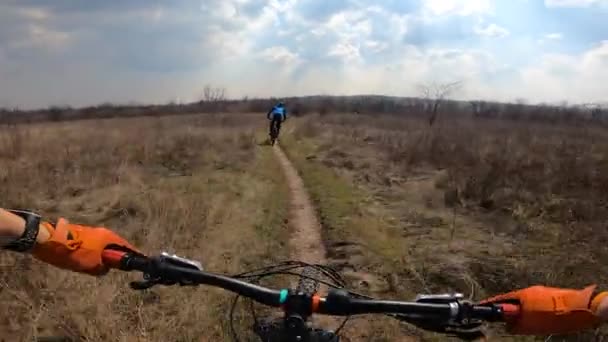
(447, 313)
(274, 132)
(277, 115)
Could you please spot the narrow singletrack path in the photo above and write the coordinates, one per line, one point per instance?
(305, 243)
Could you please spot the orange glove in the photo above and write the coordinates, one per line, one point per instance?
(78, 248)
(547, 310)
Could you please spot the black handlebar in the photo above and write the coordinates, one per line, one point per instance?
(164, 270)
(170, 270)
(340, 303)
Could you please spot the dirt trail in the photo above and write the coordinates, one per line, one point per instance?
(305, 243)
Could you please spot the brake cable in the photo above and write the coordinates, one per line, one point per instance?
(284, 268)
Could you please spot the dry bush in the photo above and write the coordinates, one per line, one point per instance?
(188, 184)
(508, 164)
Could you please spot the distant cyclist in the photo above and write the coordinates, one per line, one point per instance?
(277, 115)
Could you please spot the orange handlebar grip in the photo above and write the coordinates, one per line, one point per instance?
(112, 258)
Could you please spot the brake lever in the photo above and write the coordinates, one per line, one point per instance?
(468, 335)
(152, 278)
(470, 331)
(461, 327)
(150, 281)
(142, 285)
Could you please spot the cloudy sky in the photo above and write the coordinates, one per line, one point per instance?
(81, 52)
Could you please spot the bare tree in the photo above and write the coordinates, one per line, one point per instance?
(484, 109)
(435, 95)
(598, 113)
(213, 97)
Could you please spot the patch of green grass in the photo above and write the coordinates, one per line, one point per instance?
(347, 213)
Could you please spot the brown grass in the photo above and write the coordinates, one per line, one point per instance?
(475, 206)
(200, 186)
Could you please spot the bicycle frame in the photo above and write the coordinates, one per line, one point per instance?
(274, 132)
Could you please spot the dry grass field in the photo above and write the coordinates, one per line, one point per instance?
(200, 186)
(474, 206)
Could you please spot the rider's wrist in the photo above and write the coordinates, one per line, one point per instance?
(45, 232)
(599, 305)
(28, 239)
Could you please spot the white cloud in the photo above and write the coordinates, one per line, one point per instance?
(158, 13)
(554, 36)
(349, 30)
(230, 33)
(457, 7)
(574, 77)
(393, 77)
(34, 13)
(282, 5)
(596, 58)
(349, 48)
(458, 64)
(573, 3)
(351, 24)
(346, 50)
(375, 46)
(281, 55)
(491, 30)
(43, 37)
(550, 37)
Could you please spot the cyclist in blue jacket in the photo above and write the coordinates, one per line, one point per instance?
(277, 115)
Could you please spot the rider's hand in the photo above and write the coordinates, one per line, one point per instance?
(79, 248)
(547, 310)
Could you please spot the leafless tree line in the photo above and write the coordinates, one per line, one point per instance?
(213, 94)
(433, 103)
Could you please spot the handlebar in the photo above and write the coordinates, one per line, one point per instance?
(170, 270)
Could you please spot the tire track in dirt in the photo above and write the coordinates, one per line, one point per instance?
(305, 243)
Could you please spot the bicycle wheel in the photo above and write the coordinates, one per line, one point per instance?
(307, 285)
(273, 135)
